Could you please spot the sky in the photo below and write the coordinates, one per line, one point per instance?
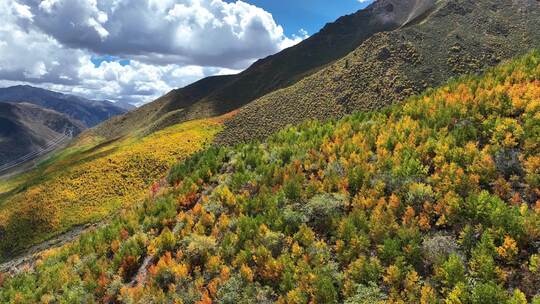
(294, 15)
(137, 50)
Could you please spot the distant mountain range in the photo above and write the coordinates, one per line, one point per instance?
(34, 121)
(89, 112)
(28, 130)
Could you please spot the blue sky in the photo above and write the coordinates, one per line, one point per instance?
(98, 60)
(310, 15)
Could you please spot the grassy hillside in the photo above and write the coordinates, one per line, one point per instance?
(456, 37)
(90, 180)
(435, 200)
(396, 48)
(221, 94)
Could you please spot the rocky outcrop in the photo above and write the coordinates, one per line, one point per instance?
(401, 12)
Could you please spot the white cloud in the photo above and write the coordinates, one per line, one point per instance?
(47, 5)
(30, 55)
(136, 82)
(302, 34)
(22, 11)
(200, 32)
(37, 71)
(102, 32)
(170, 43)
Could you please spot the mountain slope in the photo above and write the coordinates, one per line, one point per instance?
(435, 200)
(90, 180)
(89, 112)
(221, 94)
(454, 37)
(30, 130)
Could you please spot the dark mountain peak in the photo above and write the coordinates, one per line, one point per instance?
(221, 94)
(25, 89)
(22, 86)
(435, 41)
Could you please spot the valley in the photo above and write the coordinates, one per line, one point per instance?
(90, 179)
(35, 122)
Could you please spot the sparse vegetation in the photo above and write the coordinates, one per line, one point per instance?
(360, 62)
(392, 66)
(332, 212)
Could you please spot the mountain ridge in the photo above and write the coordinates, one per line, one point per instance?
(221, 94)
(29, 131)
(88, 112)
(456, 37)
(25, 140)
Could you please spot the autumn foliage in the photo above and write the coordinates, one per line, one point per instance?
(431, 201)
(93, 180)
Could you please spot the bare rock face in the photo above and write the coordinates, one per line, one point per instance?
(401, 12)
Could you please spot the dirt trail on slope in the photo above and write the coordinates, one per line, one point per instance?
(31, 255)
(33, 162)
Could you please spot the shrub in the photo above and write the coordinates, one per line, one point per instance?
(321, 210)
(356, 180)
(438, 248)
(518, 298)
(166, 241)
(367, 294)
(493, 212)
(199, 248)
(488, 293)
(325, 290)
(365, 271)
(451, 272)
(235, 291)
(293, 188)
